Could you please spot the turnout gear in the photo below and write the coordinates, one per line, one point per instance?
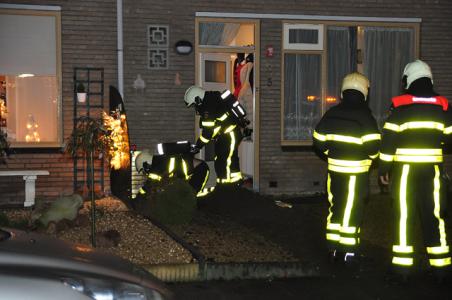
(415, 70)
(414, 136)
(222, 119)
(355, 81)
(347, 137)
(175, 160)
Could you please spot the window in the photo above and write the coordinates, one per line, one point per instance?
(314, 65)
(30, 78)
(303, 36)
(226, 34)
(215, 71)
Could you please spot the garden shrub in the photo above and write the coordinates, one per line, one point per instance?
(4, 220)
(171, 201)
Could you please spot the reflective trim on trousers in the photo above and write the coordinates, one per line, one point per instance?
(171, 165)
(438, 250)
(205, 191)
(333, 237)
(231, 152)
(349, 241)
(350, 200)
(403, 261)
(440, 262)
(330, 200)
(402, 247)
(443, 247)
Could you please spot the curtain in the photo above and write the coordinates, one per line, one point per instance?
(302, 95)
(216, 34)
(387, 51)
(341, 57)
(304, 36)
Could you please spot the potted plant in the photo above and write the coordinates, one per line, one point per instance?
(89, 139)
(81, 92)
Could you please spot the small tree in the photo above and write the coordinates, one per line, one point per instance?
(89, 138)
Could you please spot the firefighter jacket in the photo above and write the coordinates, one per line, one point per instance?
(347, 136)
(416, 131)
(215, 118)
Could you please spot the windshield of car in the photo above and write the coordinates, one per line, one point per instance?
(4, 235)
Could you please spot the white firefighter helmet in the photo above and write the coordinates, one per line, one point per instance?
(415, 70)
(192, 94)
(142, 157)
(356, 81)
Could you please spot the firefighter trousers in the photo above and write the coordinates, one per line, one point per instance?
(347, 193)
(419, 191)
(199, 177)
(227, 165)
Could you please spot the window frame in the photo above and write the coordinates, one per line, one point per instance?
(324, 63)
(56, 13)
(304, 46)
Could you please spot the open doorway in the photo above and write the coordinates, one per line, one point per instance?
(226, 60)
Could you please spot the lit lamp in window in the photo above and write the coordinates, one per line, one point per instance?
(32, 130)
(311, 98)
(183, 47)
(331, 99)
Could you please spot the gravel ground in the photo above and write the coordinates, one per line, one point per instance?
(216, 237)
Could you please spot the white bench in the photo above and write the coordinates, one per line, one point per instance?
(30, 177)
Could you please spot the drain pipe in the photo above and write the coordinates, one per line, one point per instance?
(120, 47)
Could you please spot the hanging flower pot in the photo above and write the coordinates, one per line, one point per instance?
(81, 97)
(81, 94)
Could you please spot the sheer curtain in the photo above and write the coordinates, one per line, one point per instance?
(216, 34)
(341, 59)
(387, 51)
(302, 95)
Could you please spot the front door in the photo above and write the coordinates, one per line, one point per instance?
(226, 60)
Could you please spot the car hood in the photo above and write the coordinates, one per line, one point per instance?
(32, 250)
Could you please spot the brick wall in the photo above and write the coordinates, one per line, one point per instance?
(88, 40)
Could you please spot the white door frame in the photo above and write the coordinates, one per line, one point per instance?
(256, 51)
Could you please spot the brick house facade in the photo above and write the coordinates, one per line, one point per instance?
(157, 113)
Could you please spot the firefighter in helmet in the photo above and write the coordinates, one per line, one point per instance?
(347, 137)
(414, 136)
(173, 160)
(222, 120)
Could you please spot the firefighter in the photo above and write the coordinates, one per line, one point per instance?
(173, 160)
(414, 136)
(222, 119)
(347, 137)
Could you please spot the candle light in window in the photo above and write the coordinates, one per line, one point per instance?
(310, 98)
(331, 99)
(32, 131)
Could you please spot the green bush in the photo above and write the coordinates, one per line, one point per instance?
(171, 201)
(4, 220)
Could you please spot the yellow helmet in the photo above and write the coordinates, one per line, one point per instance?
(193, 95)
(356, 81)
(415, 70)
(142, 157)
